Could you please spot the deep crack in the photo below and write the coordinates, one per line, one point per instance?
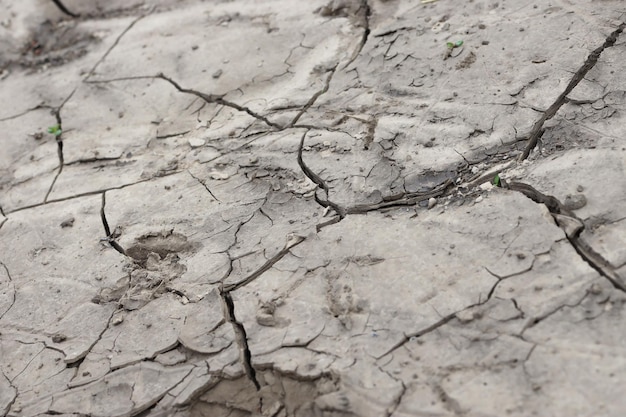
(537, 130)
(64, 9)
(240, 334)
(110, 237)
(341, 212)
(560, 215)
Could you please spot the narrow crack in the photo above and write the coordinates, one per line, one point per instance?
(110, 237)
(240, 334)
(6, 269)
(403, 199)
(537, 320)
(366, 13)
(117, 40)
(64, 9)
(314, 98)
(292, 241)
(206, 187)
(90, 193)
(398, 399)
(537, 130)
(59, 139)
(208, 98)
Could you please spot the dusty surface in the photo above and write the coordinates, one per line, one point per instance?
(285, 208)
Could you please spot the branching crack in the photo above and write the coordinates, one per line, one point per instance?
(208, 98)
(537, 130)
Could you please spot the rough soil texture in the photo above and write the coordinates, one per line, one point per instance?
(285, 208)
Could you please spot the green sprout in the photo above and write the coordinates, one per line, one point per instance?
(452, 45)
(55, 130)
(496, 181)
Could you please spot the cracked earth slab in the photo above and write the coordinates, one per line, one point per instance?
(278, 210)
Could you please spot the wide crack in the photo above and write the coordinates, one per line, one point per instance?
(240, 335)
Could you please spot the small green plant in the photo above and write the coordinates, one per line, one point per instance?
(452, 45)
(55, 130)
(496, 181)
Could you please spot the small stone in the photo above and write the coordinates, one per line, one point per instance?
(58, 338)
(432, 201)
(196, 142)
(478, 199)
(575, 201)
(117, 320)
(580, 188)
(218, 175)
(595, 289)
(217, 74)
(69, 222)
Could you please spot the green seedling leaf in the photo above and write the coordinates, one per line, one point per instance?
(458, 43)
(450, 45)
(55, 130)
(496, 181)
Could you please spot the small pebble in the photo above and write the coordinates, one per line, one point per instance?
(196, 142)
(478, 199)
(432, 201)
(217, 175)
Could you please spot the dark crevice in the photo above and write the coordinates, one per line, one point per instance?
(340, 211)
(59, 140)
(584, 250)
(64, 9)
(240, 334)
(110, 237)
(590, 62)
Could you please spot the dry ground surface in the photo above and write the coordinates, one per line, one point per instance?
(285, 208)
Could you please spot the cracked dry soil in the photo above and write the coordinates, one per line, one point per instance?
(287, 208)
